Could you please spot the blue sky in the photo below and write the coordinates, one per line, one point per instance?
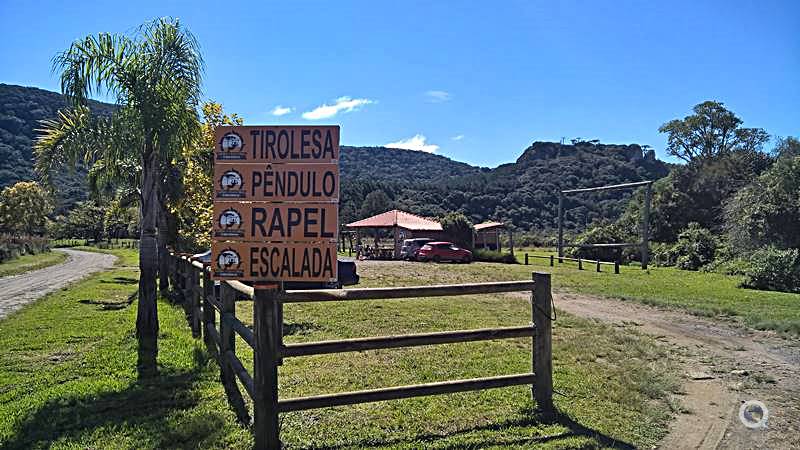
(474, 81)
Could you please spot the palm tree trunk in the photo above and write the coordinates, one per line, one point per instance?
(147, 314)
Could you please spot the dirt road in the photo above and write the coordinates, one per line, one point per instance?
(18, 290)
(725, 364)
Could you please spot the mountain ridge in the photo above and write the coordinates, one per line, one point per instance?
(523, 192)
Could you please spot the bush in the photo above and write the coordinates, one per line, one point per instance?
(601, 234)
(695, 248)
(663, 254)
(14, 246)
(493, 256)
(773, 269)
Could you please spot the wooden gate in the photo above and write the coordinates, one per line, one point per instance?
(202, 301)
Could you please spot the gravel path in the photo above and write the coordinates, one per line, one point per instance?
(19, 290)
(725, 364)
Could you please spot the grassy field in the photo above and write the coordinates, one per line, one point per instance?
(26, 263)
(701, 293)
(67, 375)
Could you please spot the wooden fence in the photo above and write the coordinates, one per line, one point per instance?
(553, 259)
(203, 301)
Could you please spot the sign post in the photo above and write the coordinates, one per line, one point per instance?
(276, 219)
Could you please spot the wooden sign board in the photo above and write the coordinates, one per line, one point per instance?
(260, 261)
(276, 182)
(276, 195)
(277, 144)
(275, 222)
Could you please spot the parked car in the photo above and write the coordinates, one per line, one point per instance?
(443, 251)
(348, 274)
(411, 246)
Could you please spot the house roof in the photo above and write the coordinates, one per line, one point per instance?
(397, 218)
(488, 225)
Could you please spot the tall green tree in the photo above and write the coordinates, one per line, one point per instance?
(154, 76)
(711, 131)
(24, 207)
(375, 202)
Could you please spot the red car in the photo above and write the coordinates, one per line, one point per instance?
(443, 251)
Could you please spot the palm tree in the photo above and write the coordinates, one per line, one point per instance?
(154, 76)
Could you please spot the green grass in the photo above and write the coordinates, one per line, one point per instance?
(618, 382)
(26, 263)
(67, 375)
(700, 293)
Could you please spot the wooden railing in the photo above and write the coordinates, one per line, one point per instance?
(202, 301)
(596, 262)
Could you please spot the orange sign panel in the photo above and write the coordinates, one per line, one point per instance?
(276, 183)
(262, 261)
(277, 144)
(275, 222)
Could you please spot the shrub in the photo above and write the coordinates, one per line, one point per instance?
(14, 246)
(663, 254)
(601, 234)
(695, 247)
(493, 256)
(773, 269)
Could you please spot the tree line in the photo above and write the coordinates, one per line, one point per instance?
(734, 206)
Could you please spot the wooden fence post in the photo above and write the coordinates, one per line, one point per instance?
(194, 296)
(209, 314)
(552, 260)
(616, 266)
(526, 259)
(598, 265)
(227, 343)
(268, 336)
(580, 264)
(542, 312)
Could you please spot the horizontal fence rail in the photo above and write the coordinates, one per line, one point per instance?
(323, 295)
(394, 393)
(412, 340)
(204, 301)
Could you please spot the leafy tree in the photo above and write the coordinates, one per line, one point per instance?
(375, 202)
(787, 147)
(711, 131)
(120, 219)
(193, 209)
(459, 228)
(24, 207)
(767, 212)
(85, 221)
(155, 77)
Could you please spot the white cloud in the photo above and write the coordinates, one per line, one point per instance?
(414, 143)
(281, 110)
(438, 96)
(457, 137)
(344, 104)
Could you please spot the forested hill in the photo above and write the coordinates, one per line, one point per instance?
(21, 109)
(389, 164)
(524, 193)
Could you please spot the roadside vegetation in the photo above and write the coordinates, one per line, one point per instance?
(26, 263)
(698, 292)
(68, 379)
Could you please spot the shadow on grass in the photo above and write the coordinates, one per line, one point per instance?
(574, 429)
(121, 280)
(292, 328)
(143, 410)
